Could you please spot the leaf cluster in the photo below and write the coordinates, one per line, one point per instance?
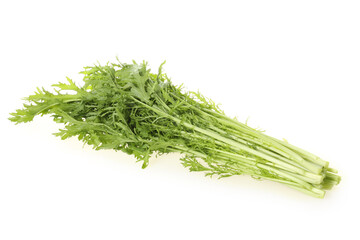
(126, 107)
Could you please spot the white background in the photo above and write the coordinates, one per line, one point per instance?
(292, 66)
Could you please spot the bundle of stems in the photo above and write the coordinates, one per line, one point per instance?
(126, 107)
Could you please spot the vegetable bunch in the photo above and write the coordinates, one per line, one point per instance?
(126, 107)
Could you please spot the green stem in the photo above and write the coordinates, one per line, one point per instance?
(294, 182)
(232, 143)
(307, 155)
(242, 128)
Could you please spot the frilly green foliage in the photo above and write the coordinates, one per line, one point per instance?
(126, 107)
